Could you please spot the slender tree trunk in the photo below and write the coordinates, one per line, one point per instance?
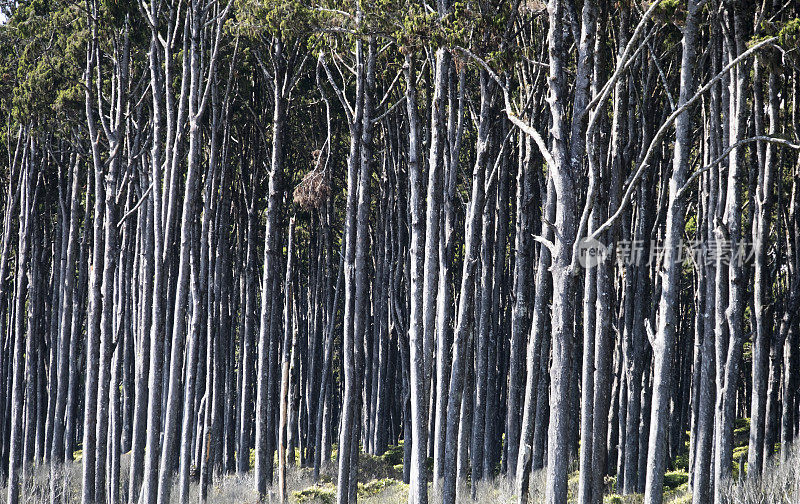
(347, 424)
(664, 340)
(558, 447)
(15, 452)
(95, 282)
(537, 359)
(465, 302)
(728, 233)
(444, 309)
(288, 340)
(68, 288)
(264, 457)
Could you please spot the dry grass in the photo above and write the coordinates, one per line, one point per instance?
(779, 483)
(36, 484)
(380, 483)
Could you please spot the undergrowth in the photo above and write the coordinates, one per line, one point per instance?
(380, 482)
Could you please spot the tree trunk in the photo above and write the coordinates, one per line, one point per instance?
(465, 302)
(664, 339)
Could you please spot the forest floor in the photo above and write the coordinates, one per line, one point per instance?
(381, 482)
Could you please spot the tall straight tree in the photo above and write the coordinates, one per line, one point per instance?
(284, 78)
(472, 231)
(663, 341)
(417, 313)
(562, 267)
(17, 365)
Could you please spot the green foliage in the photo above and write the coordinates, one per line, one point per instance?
(686, 498)
(610, 483)
(681, 462)
(394, 454)
(674, 479)
(417, 28)
(679, 493)
(741, 431)
(375, 486)
(378, 467)
(741, 435)
(691, 225)
(740, 452)
(118, 10)
(259, 19)
(322, 494)
(671, 11)
(41, 61)
(484, 32)
(739, 462)
(789, 35)
(623, 499)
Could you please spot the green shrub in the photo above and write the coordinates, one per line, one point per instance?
(623, 499)
(682, 462)
(375, 486)
(322, 494)
(674, 479)
(394, 454)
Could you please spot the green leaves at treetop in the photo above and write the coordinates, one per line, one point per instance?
(670, 11)
(789, 35)
(285, 18)
(479, 27)
(42, 68)
(417, 28)
(410, 25)
(117, 10)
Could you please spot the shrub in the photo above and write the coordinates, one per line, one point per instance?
(674, 479)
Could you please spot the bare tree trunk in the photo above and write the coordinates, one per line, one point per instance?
(465, 302)
(347, 424)
(537, 359)
(68, 289)
(664, 339)
(558, 447)
(430, 243)
(416, 327)
(161, 250)
(169, 445)
(444, 309)
(26, 202)
(482, 323)
(702, 477)
(521, 312)
(13, 195)
(728, 232)
(95, 282)
(289, 338)
(264, 456)
(767, 346)
(116, 138)
(247, 343)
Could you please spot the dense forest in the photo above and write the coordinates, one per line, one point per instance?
(400, 251)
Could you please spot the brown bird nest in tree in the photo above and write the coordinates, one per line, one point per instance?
(315, 188)
(532, 6)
